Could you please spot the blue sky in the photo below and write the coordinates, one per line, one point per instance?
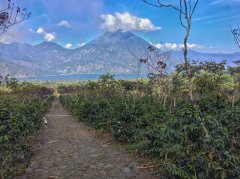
(73, 23)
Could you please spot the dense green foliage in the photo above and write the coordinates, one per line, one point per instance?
(22, 107)
(199, 139)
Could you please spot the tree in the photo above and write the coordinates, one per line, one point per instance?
(156, 61)
(235, 71)
(236, 35)
(186, 10)
(12, 15)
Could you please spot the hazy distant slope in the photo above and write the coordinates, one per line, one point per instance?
(12, 69)
(193, 55)
(115, 52)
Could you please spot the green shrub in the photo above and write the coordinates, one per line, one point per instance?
(20, 117)
(187, 150)
(191, 141)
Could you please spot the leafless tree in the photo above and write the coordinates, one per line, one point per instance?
(186, 9)
(236, 35)
(12, 15)
(235, 71)
(157, 61)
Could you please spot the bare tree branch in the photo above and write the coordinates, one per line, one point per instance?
(9, 3)
(159, 5)
(180, 16)
(236, 35)
(12, 15)
(186, 10)
(194, 8)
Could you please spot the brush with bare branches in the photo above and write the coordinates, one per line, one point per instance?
(186, 9)
(12, 15)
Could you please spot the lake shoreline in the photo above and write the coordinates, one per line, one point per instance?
(80, 77)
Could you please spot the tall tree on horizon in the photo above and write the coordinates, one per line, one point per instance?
(186, 11)
(12, 15)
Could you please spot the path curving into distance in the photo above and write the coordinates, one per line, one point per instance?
(67, 149)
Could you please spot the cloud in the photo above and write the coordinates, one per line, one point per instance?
(80, 45)
(10, 36)
(68, 45)
(86, 11)
(157, 45)
(215, 18)
(170, 46)
(225, 2)
(126, 22)
(174, 46)
(14, 34)
(40, 30)
(192, 46)
(222, 19)
(47, 36)
(63, 23)
(204, 18)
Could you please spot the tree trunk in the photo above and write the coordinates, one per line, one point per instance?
(185, 52)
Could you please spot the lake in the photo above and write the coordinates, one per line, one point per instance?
(80, 77)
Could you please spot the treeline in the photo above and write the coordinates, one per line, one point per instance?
(22, 107)
(189, 137)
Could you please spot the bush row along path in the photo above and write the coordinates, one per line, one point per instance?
(69, 149)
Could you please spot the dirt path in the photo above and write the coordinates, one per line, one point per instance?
(69, 149)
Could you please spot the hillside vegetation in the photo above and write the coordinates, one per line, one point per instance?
(22, 107)
(197, 138)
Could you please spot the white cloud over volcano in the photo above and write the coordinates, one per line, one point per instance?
(126, 22)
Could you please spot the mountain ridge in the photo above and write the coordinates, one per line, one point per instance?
(113, 52)
(46, 42)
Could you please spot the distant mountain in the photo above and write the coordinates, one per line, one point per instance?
(7, 67)
(114, 52)
(217, 57)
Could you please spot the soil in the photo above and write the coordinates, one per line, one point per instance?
(67, 148)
